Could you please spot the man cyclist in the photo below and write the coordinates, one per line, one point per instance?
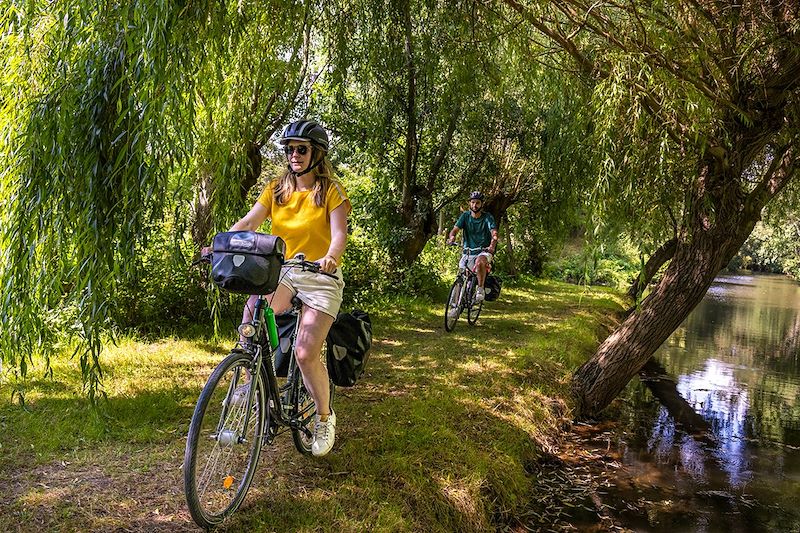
(480, 240)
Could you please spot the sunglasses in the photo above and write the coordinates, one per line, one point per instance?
(289, 150)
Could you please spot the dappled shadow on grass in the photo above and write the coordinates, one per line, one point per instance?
(437, 436)
(516, 333)
(52, 425)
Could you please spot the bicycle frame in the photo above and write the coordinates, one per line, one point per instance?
(470, 275)
(470, 279)
(263, 368)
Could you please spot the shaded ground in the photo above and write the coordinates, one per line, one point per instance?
(447, 432)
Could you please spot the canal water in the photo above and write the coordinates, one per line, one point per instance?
(708, 438)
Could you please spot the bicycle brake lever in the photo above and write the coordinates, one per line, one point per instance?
(201, 260)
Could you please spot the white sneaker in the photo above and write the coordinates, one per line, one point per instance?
(324, 435)
(479, 295)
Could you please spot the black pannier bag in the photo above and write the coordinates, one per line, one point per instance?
(285, 323)
(247, 262)
(349, 342)
(491, 288)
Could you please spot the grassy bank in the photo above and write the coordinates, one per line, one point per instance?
(440, 435)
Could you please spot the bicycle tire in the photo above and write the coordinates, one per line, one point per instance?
(218, 471)
(473, 312)
(453, 302)
(304, 409)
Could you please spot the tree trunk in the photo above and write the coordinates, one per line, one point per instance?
(253, 172)
(201, 211)
(512, 262)
(498, 204)
(694, 266)
(419, 225)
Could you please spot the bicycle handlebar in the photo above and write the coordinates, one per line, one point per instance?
(310, 266)
(468, 250)
(297, 262)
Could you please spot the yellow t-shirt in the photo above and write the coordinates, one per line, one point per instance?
(305, 227)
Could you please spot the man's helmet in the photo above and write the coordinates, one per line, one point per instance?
(305, 130)
(476, 195)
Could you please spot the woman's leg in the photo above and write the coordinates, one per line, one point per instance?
(308, 347)
(279, 301)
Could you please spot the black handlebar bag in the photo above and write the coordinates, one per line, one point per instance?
(247, 262)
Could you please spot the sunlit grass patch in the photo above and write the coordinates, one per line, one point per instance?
(438, 435)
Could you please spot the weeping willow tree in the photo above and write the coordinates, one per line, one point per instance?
(411, 84)
(257, 77)
(696, 121)
(108, 112)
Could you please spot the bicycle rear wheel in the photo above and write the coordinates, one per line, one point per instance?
(221, 453)
(452, 309)
(304, 409)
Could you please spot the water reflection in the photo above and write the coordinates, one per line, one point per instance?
(728, 420)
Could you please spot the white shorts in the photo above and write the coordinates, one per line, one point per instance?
(317, 291)
(468, 261)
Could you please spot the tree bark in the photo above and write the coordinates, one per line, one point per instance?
(696, 262)
(654, 263)
(253, 172)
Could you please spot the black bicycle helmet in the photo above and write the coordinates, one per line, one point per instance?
(305, 130)
(476, 195)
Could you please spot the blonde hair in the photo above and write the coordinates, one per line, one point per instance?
(286, 183)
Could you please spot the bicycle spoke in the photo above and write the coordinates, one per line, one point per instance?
(215, 469)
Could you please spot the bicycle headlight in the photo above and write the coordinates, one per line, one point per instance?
(247, 330)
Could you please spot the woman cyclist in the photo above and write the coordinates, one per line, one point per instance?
(308, 208)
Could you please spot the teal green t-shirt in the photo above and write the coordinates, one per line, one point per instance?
(477, 231)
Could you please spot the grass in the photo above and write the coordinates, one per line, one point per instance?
(440, 434)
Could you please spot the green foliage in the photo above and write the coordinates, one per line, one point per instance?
(615, 265)
(88, 148)
(771, 248)
(109, 115)
(131, 132)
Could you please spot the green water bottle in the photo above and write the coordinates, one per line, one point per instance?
(272, 328)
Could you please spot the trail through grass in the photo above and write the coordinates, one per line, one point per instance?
(440, 434)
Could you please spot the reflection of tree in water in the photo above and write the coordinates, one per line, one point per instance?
(728, 424)
(791, 344)
(755, 319)
(750, 327)
(716, 395)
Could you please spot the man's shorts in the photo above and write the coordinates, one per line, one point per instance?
(468, 261)
(316, 290)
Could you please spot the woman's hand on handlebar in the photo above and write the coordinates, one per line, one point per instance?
(205, 256)
(328, 264)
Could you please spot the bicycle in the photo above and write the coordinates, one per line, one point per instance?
(462, 295)
(229, 427)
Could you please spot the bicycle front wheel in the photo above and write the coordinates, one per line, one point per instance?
(222, 449)
(452, 308)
